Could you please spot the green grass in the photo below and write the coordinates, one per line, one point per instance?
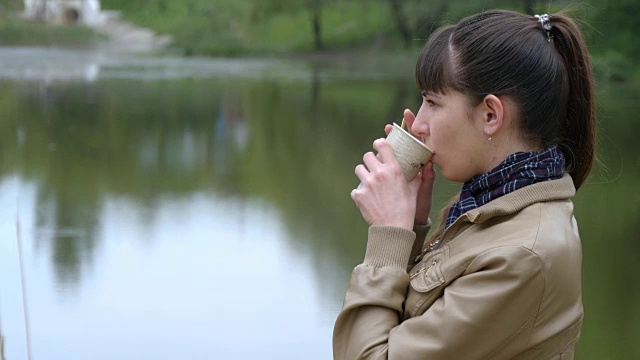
(344, 25)
(242, 27)
(14, 32)
(262, 27)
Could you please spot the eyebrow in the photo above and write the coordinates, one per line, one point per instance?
(430, 93)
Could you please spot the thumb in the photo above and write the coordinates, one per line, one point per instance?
(409, 117)
(415, 184)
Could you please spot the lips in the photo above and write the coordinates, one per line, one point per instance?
(434, 159)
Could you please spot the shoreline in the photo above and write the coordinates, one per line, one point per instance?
(128, 38)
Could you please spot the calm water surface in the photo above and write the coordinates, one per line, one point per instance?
(199, 209)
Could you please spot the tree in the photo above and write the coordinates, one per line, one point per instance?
(263, 9)
(315, 8)
(528, 7)
(428, 18)
(401, 21)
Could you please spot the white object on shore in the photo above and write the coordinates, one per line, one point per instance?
(87, 12)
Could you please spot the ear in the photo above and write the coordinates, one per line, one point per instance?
(492, 113)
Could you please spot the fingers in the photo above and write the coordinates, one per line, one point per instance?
(370, 161)
(428, 172)
(354, 194)
(384, 151)
(361, 172)
(409, 118)
(428, 176)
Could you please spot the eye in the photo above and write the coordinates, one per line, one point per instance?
(429, 102)
(426, 99)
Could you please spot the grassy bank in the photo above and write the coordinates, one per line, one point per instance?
(16, 32)
(285, 27)
(241, 27)
(233, 27)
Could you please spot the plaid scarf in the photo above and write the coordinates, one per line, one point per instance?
(516, 171)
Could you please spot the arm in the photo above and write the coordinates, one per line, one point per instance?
(491, 307)
(373, 303)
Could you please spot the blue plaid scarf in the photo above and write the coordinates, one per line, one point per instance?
(516, 171)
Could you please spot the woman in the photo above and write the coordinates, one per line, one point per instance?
(508, 111)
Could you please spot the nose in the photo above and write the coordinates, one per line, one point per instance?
(420, 126)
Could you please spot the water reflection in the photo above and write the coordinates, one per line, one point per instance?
(231, 130)
(168, 217)
(118, 171)
(49, 65)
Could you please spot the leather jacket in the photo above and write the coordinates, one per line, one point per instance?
(505, 283)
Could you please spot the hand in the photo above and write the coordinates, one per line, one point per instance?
(385, 197)
(427, 177)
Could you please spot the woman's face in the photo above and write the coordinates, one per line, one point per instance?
(452, 129)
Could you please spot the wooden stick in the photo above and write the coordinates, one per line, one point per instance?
(23, 282)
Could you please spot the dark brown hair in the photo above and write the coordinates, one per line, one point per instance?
(548, 76)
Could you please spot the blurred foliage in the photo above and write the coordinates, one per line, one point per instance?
(11, 5)
(612, 25)
(607, 209)
(229, 27)
(235, 27)
(277, 27)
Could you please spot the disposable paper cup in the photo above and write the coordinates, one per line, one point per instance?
(411, 153)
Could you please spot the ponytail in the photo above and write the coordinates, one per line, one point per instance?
(579, 128)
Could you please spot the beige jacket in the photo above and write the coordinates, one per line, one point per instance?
(505, 283)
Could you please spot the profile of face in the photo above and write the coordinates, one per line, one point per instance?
(455, 131)
(495, 75)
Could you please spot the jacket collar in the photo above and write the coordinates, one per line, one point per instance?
(559, 189)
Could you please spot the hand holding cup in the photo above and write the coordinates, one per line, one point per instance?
(387, 194)
(411, 153)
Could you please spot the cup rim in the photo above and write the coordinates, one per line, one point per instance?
(413, 137)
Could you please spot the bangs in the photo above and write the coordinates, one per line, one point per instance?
(434, 69)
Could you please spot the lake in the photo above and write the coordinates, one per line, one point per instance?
(164, 208)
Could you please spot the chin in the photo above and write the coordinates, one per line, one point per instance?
(455, 177)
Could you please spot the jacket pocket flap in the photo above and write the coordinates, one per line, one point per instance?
(427, 275)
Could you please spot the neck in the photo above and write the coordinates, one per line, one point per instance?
(501, 146)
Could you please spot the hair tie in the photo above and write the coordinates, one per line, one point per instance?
(545, 21)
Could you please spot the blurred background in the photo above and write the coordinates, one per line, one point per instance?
(175, 175)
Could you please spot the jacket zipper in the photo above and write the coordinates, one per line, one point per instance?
(424, 270)
(449, 229)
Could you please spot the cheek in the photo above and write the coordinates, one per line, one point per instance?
(453, 151)
(443, 134)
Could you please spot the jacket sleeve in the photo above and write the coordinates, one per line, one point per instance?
(493, 304)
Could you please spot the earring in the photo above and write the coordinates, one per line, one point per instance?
(489, 138)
